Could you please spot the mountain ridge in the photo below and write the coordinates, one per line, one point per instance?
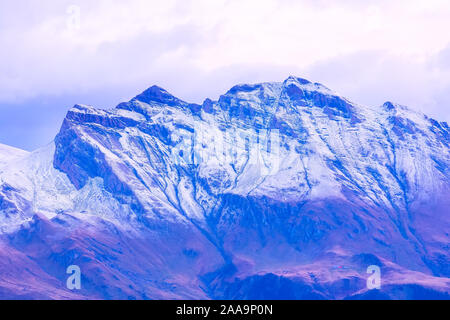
(272, 185)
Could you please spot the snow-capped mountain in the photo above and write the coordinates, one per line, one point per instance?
(8, 154)
(276, 190)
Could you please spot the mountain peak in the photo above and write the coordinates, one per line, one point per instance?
(299, 80)
(388, 105)
(392, 106)
(242, 189)
(306, 84)
(158, 95)
(8, 153)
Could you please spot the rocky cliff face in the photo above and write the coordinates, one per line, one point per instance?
(276, 190)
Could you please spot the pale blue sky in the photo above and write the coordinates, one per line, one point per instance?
(58, 53)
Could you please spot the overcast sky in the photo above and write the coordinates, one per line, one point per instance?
(56, 53)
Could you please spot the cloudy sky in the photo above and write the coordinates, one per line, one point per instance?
(56, 53)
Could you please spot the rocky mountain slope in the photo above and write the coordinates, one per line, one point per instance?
(276, 190)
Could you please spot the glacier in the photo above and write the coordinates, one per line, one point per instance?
(278, 190)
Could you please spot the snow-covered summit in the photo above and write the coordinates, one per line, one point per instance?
(8, 154)
(275, 178)
(158, 95)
